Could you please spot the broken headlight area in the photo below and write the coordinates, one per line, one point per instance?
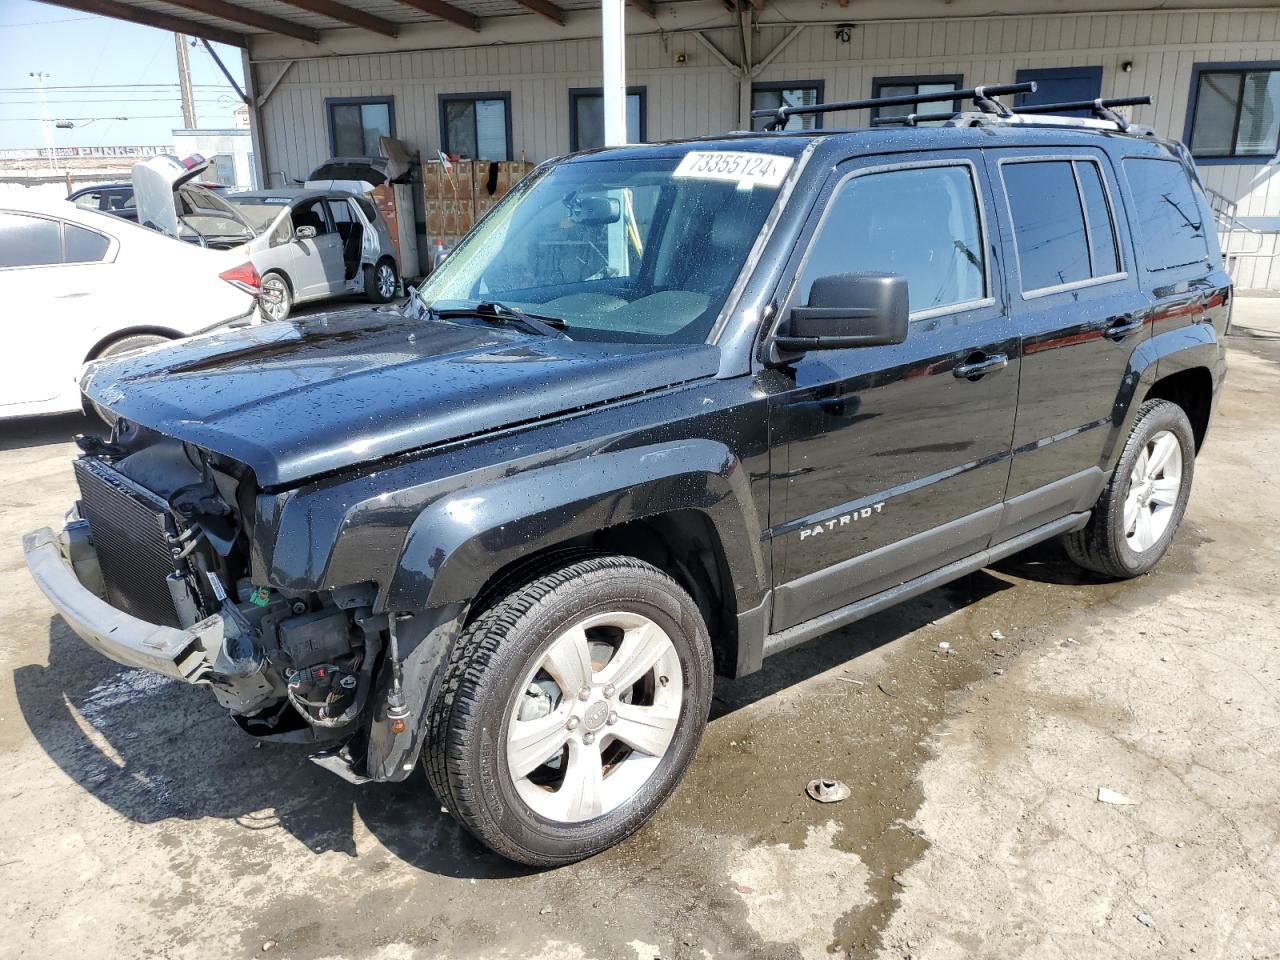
(163, 535)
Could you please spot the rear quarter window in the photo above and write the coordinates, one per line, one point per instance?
(1169, 222)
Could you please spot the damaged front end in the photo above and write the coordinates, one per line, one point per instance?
(153, 569)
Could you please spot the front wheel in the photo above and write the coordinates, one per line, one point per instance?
(570, 710)
(380, 283)
(1135, 519)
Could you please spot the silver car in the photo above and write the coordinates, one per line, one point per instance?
(312, 244)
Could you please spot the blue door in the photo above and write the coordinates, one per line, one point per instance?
(1061, 84)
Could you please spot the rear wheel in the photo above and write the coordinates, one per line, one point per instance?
(381, 282)
(570, 710)
(277, 298)
(1136, 517)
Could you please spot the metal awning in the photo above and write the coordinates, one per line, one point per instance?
(232, 21)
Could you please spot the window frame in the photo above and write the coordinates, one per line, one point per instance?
(878, 82)
(1090, 281)
(330, 102)
(819, 85)
(575, 92)
(109, 256)
(1238, 67)
(984, 234)
(446, 98)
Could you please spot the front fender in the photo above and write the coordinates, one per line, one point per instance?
(457, 543)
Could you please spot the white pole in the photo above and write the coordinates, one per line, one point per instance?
(613, 42)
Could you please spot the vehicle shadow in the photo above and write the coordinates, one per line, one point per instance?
(27, 432)
(155, 750)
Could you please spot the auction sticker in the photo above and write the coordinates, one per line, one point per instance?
(747, 170)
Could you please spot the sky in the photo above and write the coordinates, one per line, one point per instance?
(109, 69)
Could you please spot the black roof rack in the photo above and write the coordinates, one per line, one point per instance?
(1099, 108)
(982, 96)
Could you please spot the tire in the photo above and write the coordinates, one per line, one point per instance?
(135, 341)
(381, 281)
(1132, 526)
(277, 296)
(500, 793)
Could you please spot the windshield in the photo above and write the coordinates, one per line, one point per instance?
(260, 212)
(205, 213)
(619, 250)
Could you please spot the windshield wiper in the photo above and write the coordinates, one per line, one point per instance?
(491, 311)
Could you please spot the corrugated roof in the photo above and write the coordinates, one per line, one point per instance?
(232, 20)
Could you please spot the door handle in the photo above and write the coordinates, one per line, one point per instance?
(980, 364)
(1120, 327)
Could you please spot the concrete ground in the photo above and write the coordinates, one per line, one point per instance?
(138, 822)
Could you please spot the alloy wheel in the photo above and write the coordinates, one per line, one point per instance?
(275, 298)
(1153, 490)
(595, 716)
(386, 281)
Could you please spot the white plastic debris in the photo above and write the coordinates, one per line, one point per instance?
(997, 635)
(1106, 795)
(1146, 921)
(944, 647)
(828, 791)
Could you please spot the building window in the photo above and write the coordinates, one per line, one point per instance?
(1235, 112)
(771, 96)
(223, 166)
(357, 123)
(914, 86)
(476, 126)
(586, 117)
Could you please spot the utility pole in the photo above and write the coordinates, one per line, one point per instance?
(184, 82)
(45, 122)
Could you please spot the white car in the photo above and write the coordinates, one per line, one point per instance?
(78, 284)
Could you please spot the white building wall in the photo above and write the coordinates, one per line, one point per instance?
(701, 95)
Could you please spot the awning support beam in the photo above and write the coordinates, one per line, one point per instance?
(251, 18)
(225, 72)
(348, 15)
(152, 18)
(446, 11)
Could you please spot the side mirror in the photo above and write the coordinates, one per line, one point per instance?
(304, 233)
(848, 310)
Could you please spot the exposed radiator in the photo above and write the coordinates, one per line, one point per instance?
(128, 527)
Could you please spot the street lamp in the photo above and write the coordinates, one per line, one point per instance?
(40, 77)
(78, 122)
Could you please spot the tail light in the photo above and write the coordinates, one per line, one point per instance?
(244, 277)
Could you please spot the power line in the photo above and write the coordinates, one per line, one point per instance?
(119, 86)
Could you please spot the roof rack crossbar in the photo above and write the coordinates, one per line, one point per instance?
(982, 96)
(1099, 108)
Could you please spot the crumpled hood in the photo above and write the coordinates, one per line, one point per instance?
(303, 397)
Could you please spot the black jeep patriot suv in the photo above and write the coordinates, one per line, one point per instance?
(669, 409)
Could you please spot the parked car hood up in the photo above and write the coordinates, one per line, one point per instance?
(304, 397)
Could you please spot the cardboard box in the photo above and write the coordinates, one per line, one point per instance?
(455, 199)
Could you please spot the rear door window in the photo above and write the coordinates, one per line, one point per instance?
(920, 223)
(1171, 226)
(1063, 228)
(29, 241)
(81, 245)
(1103, 250)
